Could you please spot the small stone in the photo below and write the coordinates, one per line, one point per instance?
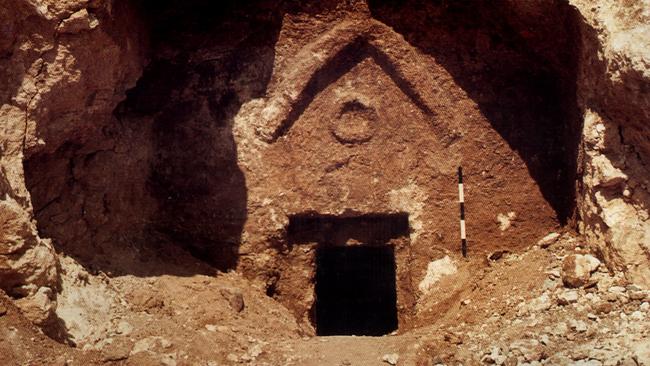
(578, 325)
(436, 270)
(211, 327)
(511, 361)
(466, 302)
(390, 358)
(541, 303)
(560, 329)
(554, 273)
(494, 357)
(168, 359)
(618, 290)
(567, 297)
(116, 351)
(165, 343)
(253, 352)
(39, 308)
(495, 256)
(235, 299)
(641, 350)
(77, 22)
(550, 284)
(544, 339)
(3, 309)
(644, 306)
(636, 293)
(143, 345)
(628, 362)
(505, 220)
(592, 316)
(620, 293)
(579, 354)
(237, 302)
(633, 287)
(124, 328)
(528, 348)
(610, 297)
(577, 269)
(637, 315)
(549, 239)
(453, 338)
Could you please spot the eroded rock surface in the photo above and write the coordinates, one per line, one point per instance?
(614, 195)
(276, 111)
(63, 68)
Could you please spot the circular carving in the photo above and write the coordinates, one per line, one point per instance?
(355, 123)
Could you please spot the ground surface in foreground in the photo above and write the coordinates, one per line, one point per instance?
(514, 311)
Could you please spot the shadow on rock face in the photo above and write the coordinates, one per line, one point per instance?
(521, 76)
(191, 100)
(161, 179)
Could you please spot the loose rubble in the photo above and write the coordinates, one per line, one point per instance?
(577, 269)
(595, 318)
(390, 358)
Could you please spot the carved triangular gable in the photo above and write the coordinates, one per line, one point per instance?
(349, 40)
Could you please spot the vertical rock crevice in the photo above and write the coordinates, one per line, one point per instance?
(614, 199)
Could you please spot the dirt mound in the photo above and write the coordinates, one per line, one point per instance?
(514, 311)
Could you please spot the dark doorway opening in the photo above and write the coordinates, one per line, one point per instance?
(355, 281)
(355, 290)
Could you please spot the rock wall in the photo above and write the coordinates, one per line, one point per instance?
(613, 89)
(98, 170)
(368, 114)
(64, 65)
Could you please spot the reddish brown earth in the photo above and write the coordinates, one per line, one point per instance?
(170, 174)
(513, 304)
(202, 173)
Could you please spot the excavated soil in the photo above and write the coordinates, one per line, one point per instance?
(510, 311)
(279, 187)
(378, 124)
